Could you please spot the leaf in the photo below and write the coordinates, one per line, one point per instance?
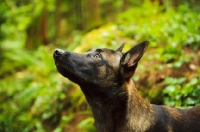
(190, 101)
(87, 124)
(169, 89)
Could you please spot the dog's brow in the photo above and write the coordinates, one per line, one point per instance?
(98, 50)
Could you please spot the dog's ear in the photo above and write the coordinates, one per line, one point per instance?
(130, 59)
(120, 48)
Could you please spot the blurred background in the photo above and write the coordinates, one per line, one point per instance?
(34, 97)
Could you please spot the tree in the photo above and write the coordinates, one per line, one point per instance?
(93, 13)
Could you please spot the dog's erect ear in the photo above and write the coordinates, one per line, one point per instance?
(120, 48)
(130, 59)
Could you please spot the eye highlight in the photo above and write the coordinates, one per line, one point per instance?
(97, 56)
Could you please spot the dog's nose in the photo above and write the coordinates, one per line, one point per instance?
(58, 52)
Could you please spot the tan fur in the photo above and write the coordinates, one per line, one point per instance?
(138, 105)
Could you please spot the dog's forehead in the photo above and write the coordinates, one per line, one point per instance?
(107, 54)
(108, 51)
(99, 49)
(113, 56)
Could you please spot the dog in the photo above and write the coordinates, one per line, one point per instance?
(104, 76)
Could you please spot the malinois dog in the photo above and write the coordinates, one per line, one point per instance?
(104, 76)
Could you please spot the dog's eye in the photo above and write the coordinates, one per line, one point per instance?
(97, 56)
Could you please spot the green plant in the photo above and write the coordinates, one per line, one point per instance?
(34, 96)
(87, 125)
(180, 92)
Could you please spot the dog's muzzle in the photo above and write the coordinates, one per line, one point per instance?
(58, 53)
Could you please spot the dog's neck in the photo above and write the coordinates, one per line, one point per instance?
(126, 108)
(139, 111)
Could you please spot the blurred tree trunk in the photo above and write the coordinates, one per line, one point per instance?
(196, 2)
(160, 2)
(93, 13)
(175, 3)
(43, 25)
(37, 30)
(124, 5)
(79, 15)
(57, 18)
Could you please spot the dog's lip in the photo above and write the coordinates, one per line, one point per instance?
(56, 60)
(57, 64)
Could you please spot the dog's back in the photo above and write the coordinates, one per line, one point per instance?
(171, 119)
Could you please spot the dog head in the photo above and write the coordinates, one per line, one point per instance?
(101, 68)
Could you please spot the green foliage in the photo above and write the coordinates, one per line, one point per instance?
(87, 125)
(29, 95)
(165, 26)
(18, 18)
(63, 122)
(182, 93)
(35, 97)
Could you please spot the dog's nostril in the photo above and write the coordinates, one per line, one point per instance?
(58, 52)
